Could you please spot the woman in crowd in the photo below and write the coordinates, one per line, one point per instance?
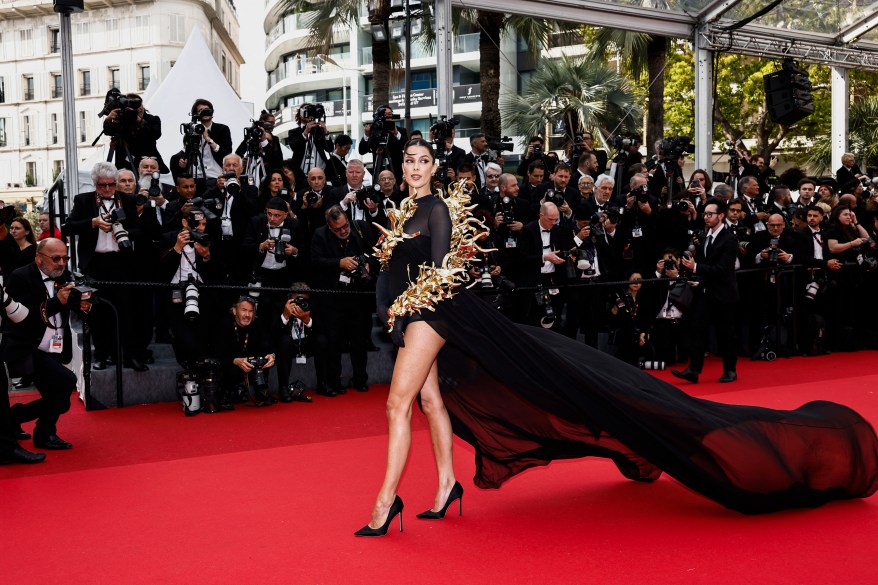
(272, 186)
(18, 245)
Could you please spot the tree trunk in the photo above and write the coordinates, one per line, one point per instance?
(656, 51)
(490, 25)
(381, 63)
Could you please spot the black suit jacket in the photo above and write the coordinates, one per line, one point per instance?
(20, 340)
(139, 143)
(220, 134)
(85, 208)
(326, 251)
(717, 269)
(531, 251)
(297, 141)
(257, 232)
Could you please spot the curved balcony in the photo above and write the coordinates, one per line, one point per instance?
(302, 75)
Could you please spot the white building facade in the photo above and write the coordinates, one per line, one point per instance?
(116, 43)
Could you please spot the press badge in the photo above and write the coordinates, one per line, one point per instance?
(759, 226)
(176, 296)
(300, 359)
(344, 278)
(511, 243)
(226, 223)
(637, 232)
(554, 291)
(57, 343)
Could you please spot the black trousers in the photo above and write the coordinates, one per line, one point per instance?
(343, 323)
(112, 266)
(55, 383)
(706, 312)
(8, 441)
(287, 350)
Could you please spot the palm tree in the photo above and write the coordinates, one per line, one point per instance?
(640, 53)
(862, 139)
(580, 92)
(326, 14)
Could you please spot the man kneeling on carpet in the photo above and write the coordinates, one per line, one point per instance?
(245, 353)
(40, 344)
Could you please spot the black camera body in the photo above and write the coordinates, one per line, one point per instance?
(314, 111)
(81, 291)
(556, 197)
(280, 250)
(197, 237)
(367, 193)
(640, 194)
(360, 273)
(381, 121)
(442, 130)
(130, 109)
(675, 146)
(257, 375)
(499, 145)
(311, 197)
(303, 303)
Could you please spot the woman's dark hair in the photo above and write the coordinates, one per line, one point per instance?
(848, 230)
(200, 102)
(421, 142)
(265, 115)
(27, 227)
(265, 192)
(708, 183)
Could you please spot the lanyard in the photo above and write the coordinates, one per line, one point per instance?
(246, 338)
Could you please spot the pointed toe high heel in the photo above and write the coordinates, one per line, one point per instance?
(395, 508)
(456, 494)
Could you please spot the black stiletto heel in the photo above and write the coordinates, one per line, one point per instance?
(395, 508)
(456, 494)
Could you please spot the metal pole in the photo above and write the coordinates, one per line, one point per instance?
(71, 168)
(703, 102)
(408, 69)
(344, 98)
(444, 76)
(839, 113)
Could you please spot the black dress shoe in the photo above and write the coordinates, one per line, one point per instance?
(325, 390)
(284, 394)
(25, 382)
(687, 375)
(136, 365)
(359, 386)
(21, 455)
(339, 389)
(99, 365)
(53, 443)
(728, 377)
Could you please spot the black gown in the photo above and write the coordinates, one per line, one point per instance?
(524, 396)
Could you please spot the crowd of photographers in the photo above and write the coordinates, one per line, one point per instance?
(578, 243)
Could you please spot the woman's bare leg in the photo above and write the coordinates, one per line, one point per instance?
(413, 364)
(440, 435)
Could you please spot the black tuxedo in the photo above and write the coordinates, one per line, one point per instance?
(395, 146)
(531, 252)
(299, 144)
(85, 208)
(257, 232)
(23, 356)
(340, 192)
(138, 144)
(715, 299)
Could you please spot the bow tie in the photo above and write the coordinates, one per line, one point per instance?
(546, 231)
(49, 279)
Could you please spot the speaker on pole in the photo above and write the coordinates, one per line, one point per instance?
(788, 94)
(68, 6)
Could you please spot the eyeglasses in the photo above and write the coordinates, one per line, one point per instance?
(341, 228)
(709, 213)
(148, 158)
(492, 176)
(56, 259)
(105, 185)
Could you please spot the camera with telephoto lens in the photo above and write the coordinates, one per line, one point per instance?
(232, 185)
(623, 143)
(624, 302)
(197, 237)
(669, 264)
(682, 205)
(253, 132)
(640, 194)
(191, 309)
(674, 147)
(130, 110)
(257, 375)
(360, 272)
(652, 365)
(194, 129)
(442, 130)
(314, 111)
(507, 209)
(499, 145)
(366, 193)
(485, 280)
(814, 289)
(208, 207)
(280, 250)
(120, 234)
(303, 303)
(382, 121)
(311, 197)
(544, 301)
(15, 311)
(81, 291)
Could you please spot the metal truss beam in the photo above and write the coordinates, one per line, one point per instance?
(715, 9)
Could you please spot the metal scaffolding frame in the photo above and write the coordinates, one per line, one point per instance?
(708, 31)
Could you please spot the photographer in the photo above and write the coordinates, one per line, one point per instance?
(105, 222)
(39, 344)
(260, 147)
(668, 328)
(245, 352)
(309, 141)
(559, 192)
(359, 202)
(312, 203)
(812, 298)
(535, 152)
(134, 130)
(536, 174)
(849, 170)
(631, 321)
(451, 154)
(206, 143)
(185, 260)
(587, 166)
(338, 159)
(158, 193)
(293, 339)
(488, 196)
(340, 261)
(273, 242)
(385, 141)
(511, 213)
(476, 157)
(389, 192)
(543, 248)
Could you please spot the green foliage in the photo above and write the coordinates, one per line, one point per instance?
(578, 92)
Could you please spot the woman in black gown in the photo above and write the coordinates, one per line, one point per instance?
(524, 396)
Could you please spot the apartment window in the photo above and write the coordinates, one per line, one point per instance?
(26, 42)
(57, 86)
(113, 74)
(82, 37)
(85, 82)
(53, 130)
(30, 176)
(143, 77)
(25, 130)
(54, 40)
(2, 91)
(2, 47)
(112, 32)
(57, 165)
(27, 84)
(178, 28)
(3, 132)
(141, 30)
(83, 131)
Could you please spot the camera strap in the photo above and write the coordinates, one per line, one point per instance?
(246, 339)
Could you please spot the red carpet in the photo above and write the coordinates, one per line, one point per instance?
(273, 495)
